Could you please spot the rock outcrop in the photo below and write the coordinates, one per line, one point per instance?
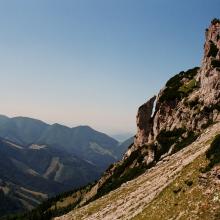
(188, 104)
(210, 70)
(144, 122)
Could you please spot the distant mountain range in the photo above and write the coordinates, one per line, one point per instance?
(39, 160)
(82, 141)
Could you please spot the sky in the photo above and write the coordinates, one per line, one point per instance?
(94, 62)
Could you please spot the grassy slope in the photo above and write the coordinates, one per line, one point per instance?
(181, 200)
(164, 192)
(193, 195)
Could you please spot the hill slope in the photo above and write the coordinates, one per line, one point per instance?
(146, 196)
(30, 175)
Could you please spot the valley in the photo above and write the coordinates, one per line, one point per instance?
(36, 164)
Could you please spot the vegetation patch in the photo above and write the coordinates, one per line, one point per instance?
(191, 137)
(174, 139)
(213, 50)
(188, 87)
(209, 109)
(123, 173)
(215, 21)
(215, 63)
(213, 153)
(184, 198)
(167, 138)
(175, 88)
(192, 103)
(207, 124)
(52, 207)
(188, 182)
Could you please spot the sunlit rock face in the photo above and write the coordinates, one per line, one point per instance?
(144, 122)
(191, 104)
(188, 104)
(210, 70)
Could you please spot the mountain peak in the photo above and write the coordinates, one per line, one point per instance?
(186, 105)
(212, 43)
(209, 76)
(86, 127)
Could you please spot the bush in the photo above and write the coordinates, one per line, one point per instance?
(44, 211)
(172, 91)
(215, 63)
(167, 138)
(123, 173)
(188, 182)
(206, 125)
(213, 50)
(213, 153)
(215, 21)
(129, 169)
(211, 108)
(175, 80)
(170, 94)
(191, 137)
(188, 87)
(193, 103)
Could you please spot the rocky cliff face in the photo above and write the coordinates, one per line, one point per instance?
(209, 73)
(189, 103)
(144, 122)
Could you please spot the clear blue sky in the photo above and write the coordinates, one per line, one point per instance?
(95, 61)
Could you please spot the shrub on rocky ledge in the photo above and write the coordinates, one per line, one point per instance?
(213, 50)
(215, 21)
(175, 87)
(213, 153)
(215, 63)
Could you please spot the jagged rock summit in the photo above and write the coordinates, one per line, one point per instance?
(186, 105)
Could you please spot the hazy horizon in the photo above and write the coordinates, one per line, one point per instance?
(95, 62)
(119, 136)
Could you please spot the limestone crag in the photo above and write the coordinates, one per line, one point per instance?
(187, 105)
(189, 102)
(209, 74)
(144, 122)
